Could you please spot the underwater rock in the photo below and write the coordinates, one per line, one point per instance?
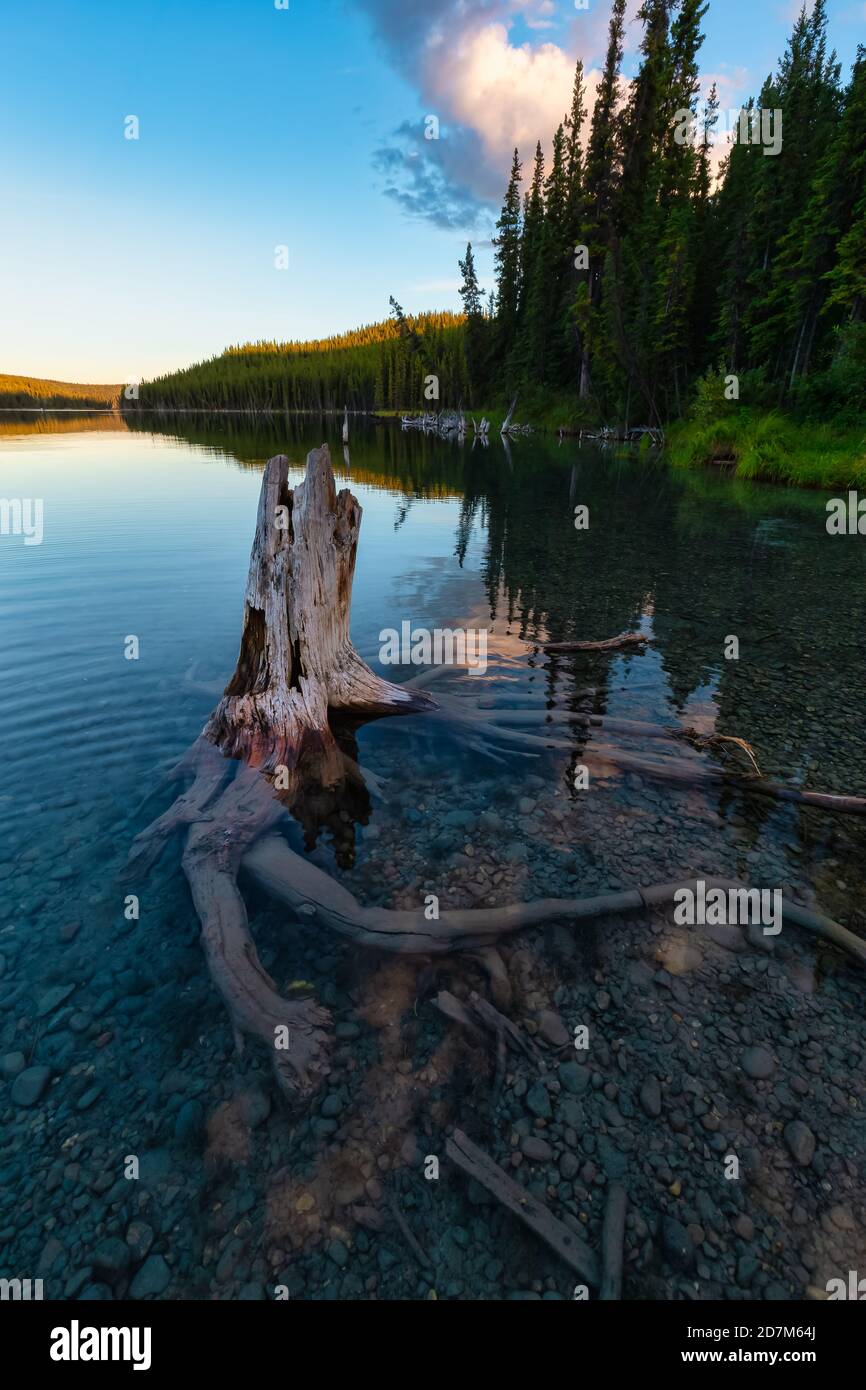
(30, 1085)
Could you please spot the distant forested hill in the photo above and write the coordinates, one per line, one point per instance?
(381, 366)
(30, 391)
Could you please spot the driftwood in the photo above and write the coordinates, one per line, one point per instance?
(478, 1015)
(625, 639)
(406, 1231)
(451, 1007)
(475, 1163)
(612, 1238)
(499, 1024)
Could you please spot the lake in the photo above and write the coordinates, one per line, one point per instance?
(141, 1157)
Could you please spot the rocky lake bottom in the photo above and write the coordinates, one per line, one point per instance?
(702, 1042)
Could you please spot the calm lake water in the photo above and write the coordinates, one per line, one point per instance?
(147, 532)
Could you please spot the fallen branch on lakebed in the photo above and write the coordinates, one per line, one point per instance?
(625, 639)
(564, 1242)
(269, 748)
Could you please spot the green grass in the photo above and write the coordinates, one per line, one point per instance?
(770, 447)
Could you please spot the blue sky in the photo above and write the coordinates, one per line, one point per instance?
(262, 127)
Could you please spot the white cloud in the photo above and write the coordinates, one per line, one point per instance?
(509, 95)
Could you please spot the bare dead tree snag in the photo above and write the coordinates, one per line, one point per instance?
(296, 660)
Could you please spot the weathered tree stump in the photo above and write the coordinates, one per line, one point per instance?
(296, 660)
(296, 665)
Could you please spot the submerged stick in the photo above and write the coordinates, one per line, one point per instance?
(612, 1239)
(475, 1163)
(406, 1231)
(625, 639)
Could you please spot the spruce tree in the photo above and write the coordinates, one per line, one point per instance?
(507, 259)
(475, 346)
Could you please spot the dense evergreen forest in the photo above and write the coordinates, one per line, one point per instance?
(635, 283)
(628, 274)
(29, 392)
(382, 365)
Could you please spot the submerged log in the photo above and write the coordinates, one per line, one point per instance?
(625, 639)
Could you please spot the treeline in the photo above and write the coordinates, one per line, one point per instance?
(626, 273)
(27, 392)
(381, 366)
(634, 281)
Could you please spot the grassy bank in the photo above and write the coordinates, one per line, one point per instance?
(774, 448)
(30, 392)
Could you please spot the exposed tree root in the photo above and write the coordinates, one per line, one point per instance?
(306, 889)
(490, 730)
(269, 747)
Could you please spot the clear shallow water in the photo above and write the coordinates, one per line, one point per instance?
(148, 533)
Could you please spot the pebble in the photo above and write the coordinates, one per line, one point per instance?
(568, 1165)
(338, 1253)
(651, 1097)
(758, 1063)
(538, 1101)
(152, 1279)
(573, 1077)
(13, 1063)
(538, 1150)
(189, 1124)
(801, 1142)
(90, 1096)
(552, 1029)
(139, 1238)
(112, 1257)
(52, 999)
(30, 1085)
(677, 1243)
